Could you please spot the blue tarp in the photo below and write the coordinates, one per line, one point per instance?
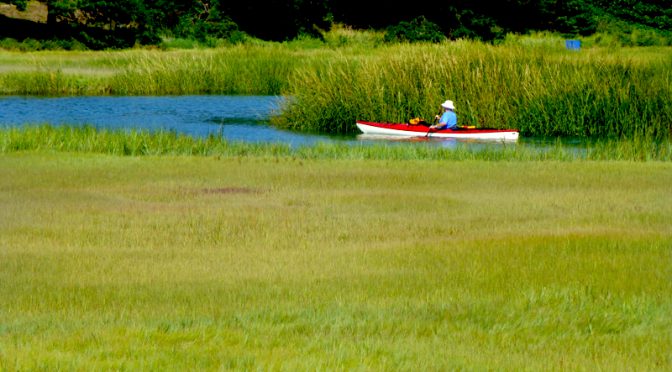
(573, 44)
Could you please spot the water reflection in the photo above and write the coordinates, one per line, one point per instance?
(435, 141)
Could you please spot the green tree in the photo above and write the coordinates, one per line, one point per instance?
(203, 20)
(100, 23)
(20, 4)
(419, 29)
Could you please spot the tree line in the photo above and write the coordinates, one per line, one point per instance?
(122, 23)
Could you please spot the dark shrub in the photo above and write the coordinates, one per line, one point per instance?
(419, 29)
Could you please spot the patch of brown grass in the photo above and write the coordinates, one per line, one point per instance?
(229, 190)
(36, 11)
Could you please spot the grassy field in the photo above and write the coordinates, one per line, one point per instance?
(253, 262)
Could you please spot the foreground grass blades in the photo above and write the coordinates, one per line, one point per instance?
(179, 262)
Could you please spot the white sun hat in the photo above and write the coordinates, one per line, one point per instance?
(448, 104)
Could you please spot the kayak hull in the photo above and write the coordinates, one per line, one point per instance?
(407, 130)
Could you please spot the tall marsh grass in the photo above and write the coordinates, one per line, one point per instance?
(237, 70)
(539, 90)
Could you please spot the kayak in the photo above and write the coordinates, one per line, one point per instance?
(408, 130)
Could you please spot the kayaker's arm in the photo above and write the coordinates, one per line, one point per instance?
(448, 118)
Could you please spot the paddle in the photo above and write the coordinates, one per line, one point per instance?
(436, 118)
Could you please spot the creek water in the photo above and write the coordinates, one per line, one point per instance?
(236, 118)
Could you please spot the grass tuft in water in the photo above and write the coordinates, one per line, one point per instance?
(89, 139)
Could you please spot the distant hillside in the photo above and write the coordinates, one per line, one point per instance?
(35, 12)
(101, 24)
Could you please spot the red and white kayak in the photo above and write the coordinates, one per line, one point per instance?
(407, 130)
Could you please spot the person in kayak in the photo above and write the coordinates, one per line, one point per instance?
(449, 119)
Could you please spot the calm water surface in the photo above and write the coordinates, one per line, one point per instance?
(236, 118)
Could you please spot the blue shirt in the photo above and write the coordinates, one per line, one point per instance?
(449, 118)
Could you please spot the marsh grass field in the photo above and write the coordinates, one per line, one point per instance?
(89, 139)
(130, 250)
(185, 262)
(540, 89)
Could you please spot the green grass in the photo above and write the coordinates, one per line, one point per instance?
(539, 88)
(140, 143)
(189, 262)
(262, 70)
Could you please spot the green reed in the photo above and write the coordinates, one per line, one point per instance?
(246, 70)
(51, 83)
(88, 139)
(541, 91)
(237, 70)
